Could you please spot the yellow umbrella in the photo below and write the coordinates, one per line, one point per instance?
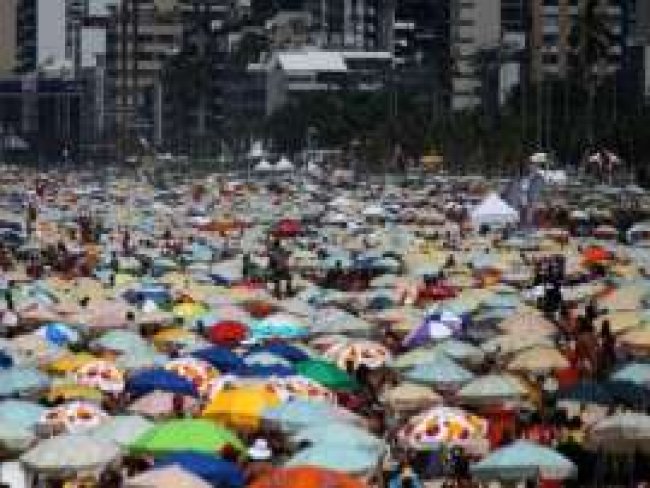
(189, 310)
(71, 391)
(241, 408)
(70, 362)
(174, 335)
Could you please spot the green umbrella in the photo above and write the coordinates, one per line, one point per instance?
(327, 374)
(186, 435)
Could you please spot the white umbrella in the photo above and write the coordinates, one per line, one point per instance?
(621, 433)
(70, 453)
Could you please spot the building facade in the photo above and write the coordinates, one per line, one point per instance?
(8, 48)
(475, 32)
(41, 34)
(351, 24)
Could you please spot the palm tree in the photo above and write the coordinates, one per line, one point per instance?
(590, 40)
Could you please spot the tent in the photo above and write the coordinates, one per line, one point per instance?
(284, 165)
(263, 166)
(493, 210)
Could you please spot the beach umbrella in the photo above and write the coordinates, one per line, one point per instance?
(139, 360)
(21, 413)
(306, 477)
(160, 404)
(59, 334)
(491, 388)
(585, 392)
(460, 351)
(15, 438)
(279, 325)
(527, 324)
(65, 390)
(287, 351)
(523, 460)
(358, 353)
(69, 454)
(166, 477)
(150, 380)
(443, 426)
(637, 339)
(200, 373)
(298, 414)
(326, 374)
(440, 371)
(263, 358)
(351, 461)
(538, 360)
(637, 373)
(513, 343)
(70, 362)
(221, 358)
(217, 472)
(409, 397)
(196, 435)
(621, 433)
(228, 332)
(338, 435)
(240, 407)
(74, 417)
(295, 387)
(19, 380)
(123, 430)
(121, 341)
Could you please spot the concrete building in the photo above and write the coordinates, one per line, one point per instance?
(76, 12)
(552, 22)
(292, 73)
(8, 21)
(351, 24)
(475, 31)
(41, 35)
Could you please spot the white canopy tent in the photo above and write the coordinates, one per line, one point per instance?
(263, 166)
(493, 210)
(284, 165)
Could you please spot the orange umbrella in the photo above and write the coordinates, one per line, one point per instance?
(596, 254)
(306, 477)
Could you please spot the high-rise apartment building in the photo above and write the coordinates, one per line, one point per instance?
(475, 30)
(552, 23)
(41, 34)
(351, 24)
(76, 13)
(8, 20)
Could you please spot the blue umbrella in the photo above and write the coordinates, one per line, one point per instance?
(59, 334)
(6, 361)
(216, 471)
(286, 351)
(159, 379)
(220, 357)
(259, 371)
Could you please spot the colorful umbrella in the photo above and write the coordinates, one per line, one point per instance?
(307, 477)
(524, 460)
(196, 435)
(240, 407)
(326, 374)
(443, 426)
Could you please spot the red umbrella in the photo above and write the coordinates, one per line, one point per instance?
(259, 308)
(227, 332)
(288, 228)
